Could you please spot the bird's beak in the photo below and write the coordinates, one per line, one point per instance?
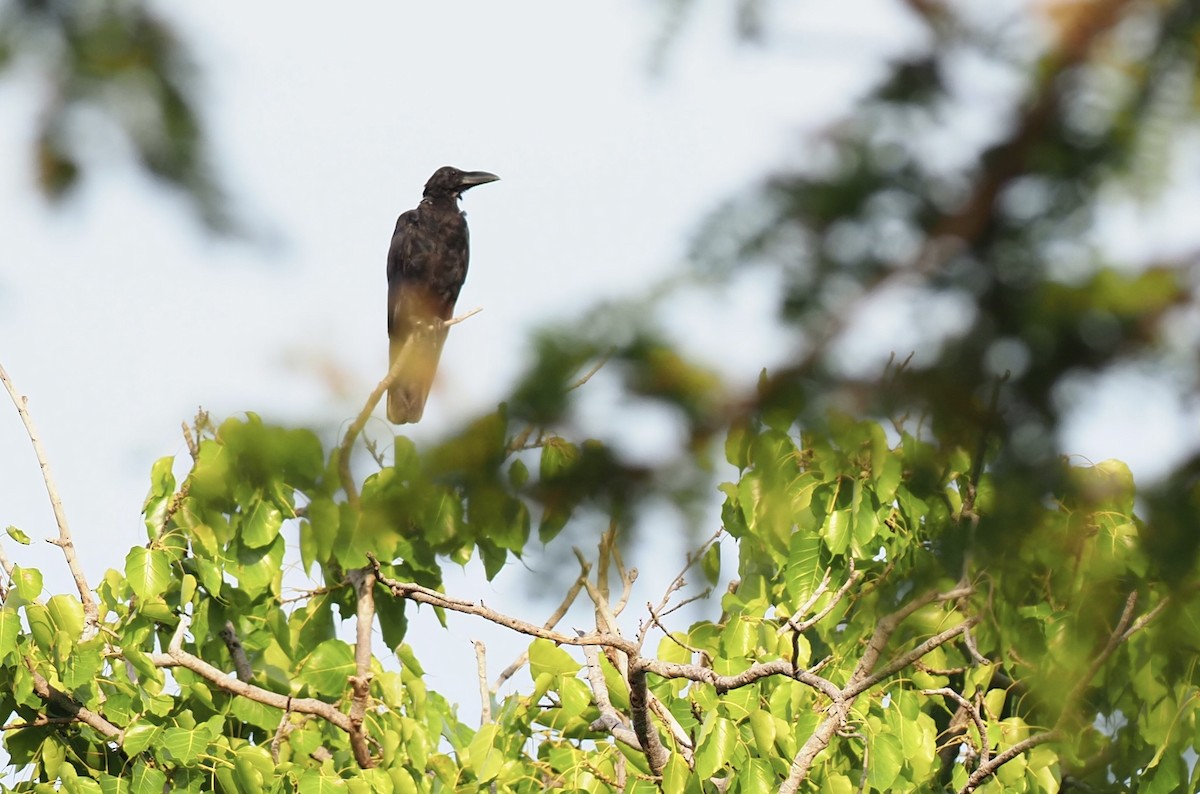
(470, 179)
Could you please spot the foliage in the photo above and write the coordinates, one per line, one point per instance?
(913, 665)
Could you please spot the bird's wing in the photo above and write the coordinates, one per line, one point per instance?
(419, 298)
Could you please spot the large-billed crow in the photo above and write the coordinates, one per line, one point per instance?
(426, 267)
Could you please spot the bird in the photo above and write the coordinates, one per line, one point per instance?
(426, 268)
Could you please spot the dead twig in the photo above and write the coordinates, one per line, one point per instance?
(91, 611)
(550, 623)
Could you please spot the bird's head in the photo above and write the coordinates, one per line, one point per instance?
(451, 182)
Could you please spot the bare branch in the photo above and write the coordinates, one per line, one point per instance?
(91, 612)
(1145, 619)
(639, 707)
(863, 679)
(905, 659)
(683, 742)
(588, 375)
(755, 672)
(984, 771)
(424, 595)
(677, 584)
(6, 564)
(460, 318)
(40, 722)
(190, 440)
(177, 657)
(550, 623)
(610, 719)
(817, 741)
(68, 704)
(803, 626)
(606, 621)
(363, 580)
(281, 733)
(1114, 639)
(240, 663)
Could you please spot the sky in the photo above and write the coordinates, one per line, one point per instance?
(119, 316)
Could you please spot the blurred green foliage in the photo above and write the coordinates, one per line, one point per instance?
(120, 64)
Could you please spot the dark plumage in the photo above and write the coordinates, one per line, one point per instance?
(426, 267)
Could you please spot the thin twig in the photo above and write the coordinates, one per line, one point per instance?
(190, 440)
(281, 733)
(550, 623)
(424, 595)
(802, 626)
(984, 771)
(356, 427)
(985, 750)
(588, 375)
(91, 612)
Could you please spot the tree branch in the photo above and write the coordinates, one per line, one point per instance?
(424, 595)
(68, 704)
(240, 663)
(91, 612)
(610, 719)
(177, 657)
(985, 750)
(363, 580)
(550, 623)
(984, 771)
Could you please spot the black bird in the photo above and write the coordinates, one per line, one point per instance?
(426, 267)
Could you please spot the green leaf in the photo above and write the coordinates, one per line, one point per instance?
(186, 745)
(803, 572)
(887, 758)
(328, 667)
(710, 564)
(148, 572)
(18, 535)
(10, 626)
(482, 756)
(546, 657)
(261, 524)
(83, 663)
(146, 779)
(67, 613)
(139, 736)
(28, 582)
(41, 627)
(259, 569)
(836, 531)
(716, 749)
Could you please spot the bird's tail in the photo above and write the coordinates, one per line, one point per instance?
(414, 362)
